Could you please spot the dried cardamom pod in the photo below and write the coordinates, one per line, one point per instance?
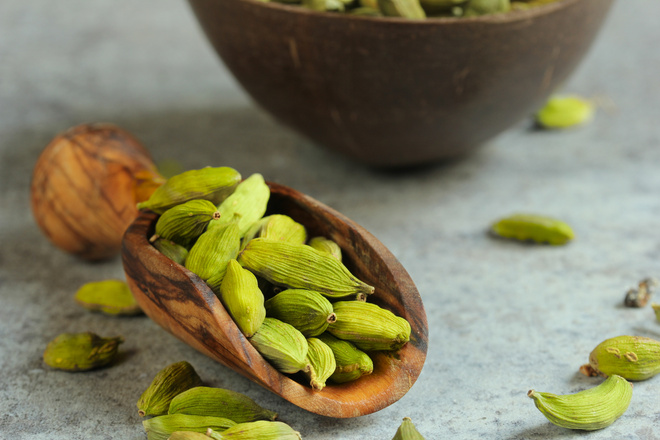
(218, 402)
(167, 384)
(240, 294)
(187, 435)
(81, 351)
(185, 222)
(112, 297)
(212, 251)
(631, 357)
(300, 266)
(351, 362)
(564, 112)
(640, 296)
(281, 345)
(484, 7)
(260, 430)
(212, 184)
(407, 431)
(326, 245)
(307, 310)
(171, 250)
(532, 227)
(277, 227)
(161, 427)
(246, 205)
(410, 9)
(368, 326)
(322, 362)
(588, 410)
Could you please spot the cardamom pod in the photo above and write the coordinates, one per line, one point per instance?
(300, 266)
(631, 357)
(112, 297)
(308, 311)
(212, 184)
(81, 351)
(185, 222)
(326, 245)
(277, 227)
(365, 11)
(322, 362)
(351, 363)
(640, 296)
(167, 384)
(219, 402)
(484, 7)
(587, 410)
(246, 205)
(281, 345)
(260, 430)
(161, 427)
(410, 9)
(324, 5)
(532, 227)
(211, 253)
(187, 435)
(564, 112)
(369, 326)
(171, 250)
(240, 294)
(407, 431)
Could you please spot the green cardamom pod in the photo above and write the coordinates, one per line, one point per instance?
(407, 431)
(483, 7)
(185, 222)
(326, 245)
(240, 294)
(564, 112)
(81, 351)
(631, 357)
(167, 384)
(351, 363)
(161, 427)
(112, 297)
(299, 266)
(212, 184)
(588, 410)
(246, 205)
(369, 326)
(260, 430)
(526, 227)
(281, 345)
(212, 251)
(187, 435)
(277, 227)
(171, 250)
(410, 9)
(322, 363)
(308, 311)
(218, 402)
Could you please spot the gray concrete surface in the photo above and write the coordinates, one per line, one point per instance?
(504, 317)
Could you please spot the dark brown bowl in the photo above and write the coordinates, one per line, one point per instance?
(393, 92)
(182, 303)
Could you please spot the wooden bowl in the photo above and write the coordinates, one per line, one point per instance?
(182, 303)
(392, 92)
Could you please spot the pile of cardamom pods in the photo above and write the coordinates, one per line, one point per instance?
(290, 295)
(416, 9)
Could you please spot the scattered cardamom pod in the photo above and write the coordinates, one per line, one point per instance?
(322, 362)
(246, 205)
(407, 431)
(565, 112)
(308, 311)
(187, 435)
(112, 297)
(161, 427)
(326, 245)
(631, 357)
(212, 184)
(588, 410)
(640, 296)
(369, 326)
(240, 294)
(81, 351)
(532, 227)
(281, 345)
(300, 266)
(351, 363)
(211, 253)
(167, 384)
(185, 222)
(219, 402)
(260, 430)
(171, 250)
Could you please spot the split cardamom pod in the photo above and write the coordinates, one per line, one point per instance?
(277, 227)
(161, 427)
(167, 384)
(407, 431)
(185, 222)
(351, 363)
(246, 205)
(326, 245)
(171, 250)
(260, 430)
(281, 345)
(219, 402)
(526, 227)
(81, 351)
(308, 311)
(322, 362)
(588, 410)
(300, 266)
(212, 251)
(631, 357)
(212, 184)
(240, 294)
(112, 297)
(369, 326)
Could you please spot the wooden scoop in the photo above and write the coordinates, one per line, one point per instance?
(182, 303)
